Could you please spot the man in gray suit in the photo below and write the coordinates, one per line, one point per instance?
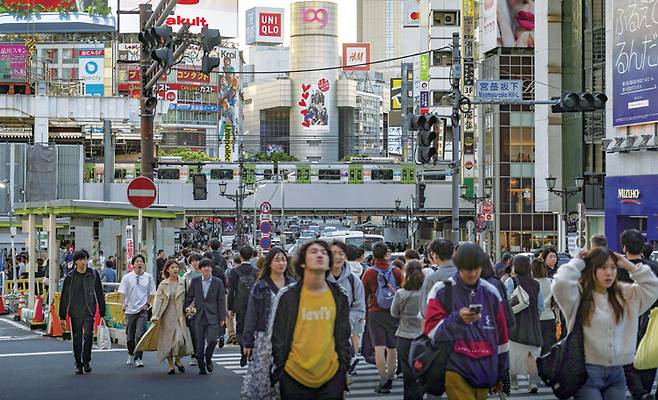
(208, 295)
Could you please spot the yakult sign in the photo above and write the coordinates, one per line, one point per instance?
(216, 14)
(264, 25)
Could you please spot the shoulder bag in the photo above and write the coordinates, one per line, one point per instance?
(563, 367)
(520, 299)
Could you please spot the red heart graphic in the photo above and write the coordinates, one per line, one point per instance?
(305, 88)
(302, 103)
(306, 123)
(303, 112)
(305, 96)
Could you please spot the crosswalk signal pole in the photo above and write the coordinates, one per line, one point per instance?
(455, 81)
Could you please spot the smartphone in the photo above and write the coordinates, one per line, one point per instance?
(475, 308)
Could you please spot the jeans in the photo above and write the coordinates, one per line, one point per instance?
(604, 383)
(82, 330)
(411, 386)
(135, 329)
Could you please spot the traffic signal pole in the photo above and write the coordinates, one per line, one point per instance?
(456, 133)
(147, 113)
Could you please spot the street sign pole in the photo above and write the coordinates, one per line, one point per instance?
(139, 230)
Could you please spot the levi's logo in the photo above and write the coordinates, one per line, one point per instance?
(316, 315)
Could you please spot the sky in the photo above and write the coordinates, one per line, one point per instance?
(346, 15)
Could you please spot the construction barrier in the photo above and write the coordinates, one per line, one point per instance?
(23, 285)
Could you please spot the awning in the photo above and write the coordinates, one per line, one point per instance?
(56, 23)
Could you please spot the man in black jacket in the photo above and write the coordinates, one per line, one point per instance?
(209, 297)
(240, 281)
(81, 293)
(218, 257)
(307, 316)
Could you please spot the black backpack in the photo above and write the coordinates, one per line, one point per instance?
(245, 282)
(428, 361)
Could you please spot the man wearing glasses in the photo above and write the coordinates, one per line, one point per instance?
(137, 290)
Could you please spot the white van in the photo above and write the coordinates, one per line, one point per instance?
(356, 238)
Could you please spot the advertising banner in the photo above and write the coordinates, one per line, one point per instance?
(92, 70)
(228, 143)
(312, 104)
(410, 13)
(355, 54)
(425, 67)
(215, 14)
(468, 89)
(264, 25)
(396, 94)
(634, 62)
(507, 23)
(12, 61)
(229, 85)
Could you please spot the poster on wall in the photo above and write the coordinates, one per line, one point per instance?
(92, 71)
(396, 94)
(634, 62)
(12, 61)
(312, 103)
(507, 23)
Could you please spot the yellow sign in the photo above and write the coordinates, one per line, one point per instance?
(228, 143)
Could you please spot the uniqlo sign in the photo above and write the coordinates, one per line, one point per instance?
(264, 25)
(269, 24)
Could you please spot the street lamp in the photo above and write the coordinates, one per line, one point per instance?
(4, 184)
(238, 198)
(564, 195)
(475, 199)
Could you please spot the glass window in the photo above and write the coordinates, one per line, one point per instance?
(168, 173)
(329, 174)
(382, 175)
(221, 174)
(441, 58)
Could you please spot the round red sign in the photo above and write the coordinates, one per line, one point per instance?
(487, 207)
(142, 192)
(170, 96)
(468, 164)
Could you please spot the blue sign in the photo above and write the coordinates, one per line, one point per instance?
(424, 99)
(91, 67)
(193, 107)
(266, 227)
(94, 90)
(500, 90)
(265, 243)
(634, 62)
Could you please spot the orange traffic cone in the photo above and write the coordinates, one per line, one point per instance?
(38, 311)
(3, 311)
(21, 304)
(55, 328)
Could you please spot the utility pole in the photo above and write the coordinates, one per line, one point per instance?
(147, 112)
(455, 82)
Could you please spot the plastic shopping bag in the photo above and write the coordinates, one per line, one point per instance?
(103, 339)
(647, 352)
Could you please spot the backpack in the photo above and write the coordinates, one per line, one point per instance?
(351, 279)
(427, 360)
(245, 283)
(387, 286)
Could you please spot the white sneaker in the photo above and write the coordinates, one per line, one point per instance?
(193, 362)
(139, 363)
(131, 360)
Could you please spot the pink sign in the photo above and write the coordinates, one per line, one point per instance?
(12, 61)
(319, 15)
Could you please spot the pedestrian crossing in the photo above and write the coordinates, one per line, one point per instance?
(366, 379)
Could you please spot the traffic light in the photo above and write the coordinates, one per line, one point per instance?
(210, 38)
(209, 63)
(164, 56)
(420, 194)
(200, 190)
(426, 148)
(579, 102)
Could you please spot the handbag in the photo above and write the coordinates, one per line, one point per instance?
(427, 360)
(563, 367)
(520, 299)
(103, 340)
(647, 352)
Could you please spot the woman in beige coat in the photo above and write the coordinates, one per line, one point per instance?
(169, 330)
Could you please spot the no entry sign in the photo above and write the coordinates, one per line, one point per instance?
(141, 192)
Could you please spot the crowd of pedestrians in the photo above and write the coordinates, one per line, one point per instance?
(303, 324)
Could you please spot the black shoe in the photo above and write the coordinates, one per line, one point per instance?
(209, 365)
(181, 367)
(220, 342)
(388, 385)
(78, 369)
(171, 372)
(381, 388)
(202, 371)
(243, 360)
(352, 370)
(87, 367)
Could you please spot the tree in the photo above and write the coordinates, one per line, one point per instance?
(274, 156)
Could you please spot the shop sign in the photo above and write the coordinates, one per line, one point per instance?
(628, 194)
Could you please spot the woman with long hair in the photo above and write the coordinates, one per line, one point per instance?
(174, 340)
(547, 321)
(587, 287)
(405, 307)
(550, 257)
(526, 337)
(257, 348)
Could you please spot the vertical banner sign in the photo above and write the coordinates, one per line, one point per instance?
(92, 71)
(396, 93)
(634, 62)
(228, 142)
(424, 83)
(468, 88)
(312, 104)
(425, 67)
(130, 247)
(31, 46)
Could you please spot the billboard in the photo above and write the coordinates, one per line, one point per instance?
(91, 69)
(19, 6)
(264, 25)
(355, 54)
(635, 63)
(215, 14)
(396, 94)
(508, 23)
(12, 61)
(411, 13)
(313, 104)
(229, 85)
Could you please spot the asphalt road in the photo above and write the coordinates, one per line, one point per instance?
(39, 368)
